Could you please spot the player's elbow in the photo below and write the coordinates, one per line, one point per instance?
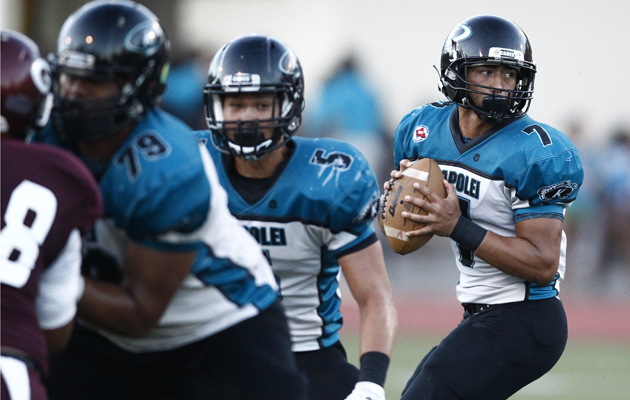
(547, 273)
(379, 304)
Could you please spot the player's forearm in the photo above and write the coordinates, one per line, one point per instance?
(111, 307)
(379, 322)
(519, 257)
(57, 339)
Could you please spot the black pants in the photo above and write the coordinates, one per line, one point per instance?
(330, 375)
(493, 354)
(251, 360)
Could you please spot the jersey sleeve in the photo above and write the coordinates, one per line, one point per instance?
(351, 219)
(181, 206)
(548, 185)
(165, 192)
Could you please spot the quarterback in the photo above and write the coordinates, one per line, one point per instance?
(509, 180)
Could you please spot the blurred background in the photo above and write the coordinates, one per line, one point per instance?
(369, 62)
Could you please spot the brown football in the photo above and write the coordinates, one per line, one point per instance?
(425, 171)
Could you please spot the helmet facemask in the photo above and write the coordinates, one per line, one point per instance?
(248, 141)
(93, 119)
(497, 103)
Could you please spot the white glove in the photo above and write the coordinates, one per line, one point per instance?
(365, 390)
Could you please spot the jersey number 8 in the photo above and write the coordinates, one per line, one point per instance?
(29, 216)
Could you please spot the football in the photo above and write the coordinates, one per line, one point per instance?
(425, 171)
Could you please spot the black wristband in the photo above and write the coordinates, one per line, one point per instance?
(468, 234)
(374, 366)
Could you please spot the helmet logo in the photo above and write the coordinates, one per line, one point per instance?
(77, 60)
(145, 38)
(460, 33)
(40, 73)
(289, 63)
(420, 133)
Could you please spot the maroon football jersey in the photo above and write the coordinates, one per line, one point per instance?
(46, 193)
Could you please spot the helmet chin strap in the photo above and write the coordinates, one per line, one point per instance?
(495, 105)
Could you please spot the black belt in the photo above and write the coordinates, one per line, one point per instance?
(475, 308)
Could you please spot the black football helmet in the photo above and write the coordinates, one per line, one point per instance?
(26, 98)
(488, 40)
(258, 64)
(109, 40)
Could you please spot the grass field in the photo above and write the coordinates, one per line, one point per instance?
(588, 370)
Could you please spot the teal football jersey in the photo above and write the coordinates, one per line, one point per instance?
(320, 208)
(161, 190)
(518, 171)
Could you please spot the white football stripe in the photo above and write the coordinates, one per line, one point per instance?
(397, 233)
(419, 175)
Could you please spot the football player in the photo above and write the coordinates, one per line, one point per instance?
(179, 302)
(310, 204)
(509, 180)
(49, 201)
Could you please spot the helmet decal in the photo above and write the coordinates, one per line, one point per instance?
(289, 64)
(40, 73)
(461, 33)
(145, 38)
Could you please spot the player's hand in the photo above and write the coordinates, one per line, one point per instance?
(395, 174)
(443, 214)
(365, 390)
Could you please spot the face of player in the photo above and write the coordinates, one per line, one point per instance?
(492, 76)
(74, 88)
(244, 107)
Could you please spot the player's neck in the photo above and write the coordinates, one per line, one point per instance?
(105, 148)
(263, 168)
(470, 124)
